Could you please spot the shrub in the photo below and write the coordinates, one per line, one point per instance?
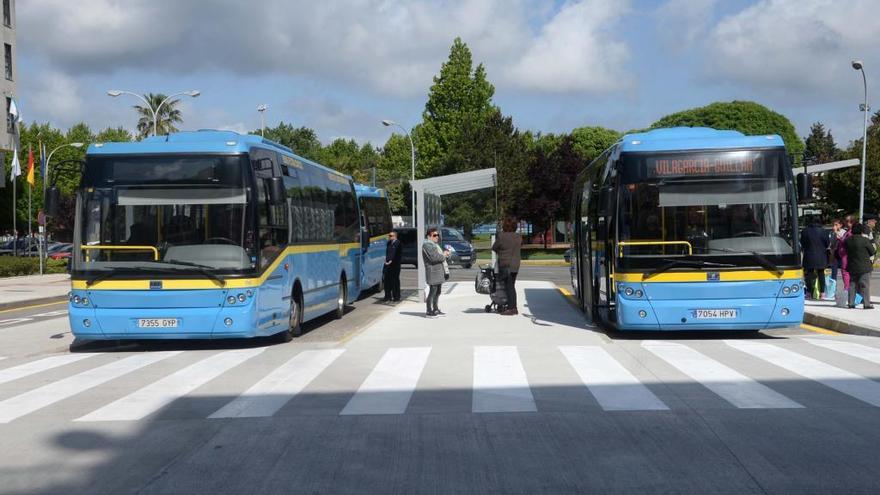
(11, 266)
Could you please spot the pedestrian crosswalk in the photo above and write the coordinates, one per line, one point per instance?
(263, 382)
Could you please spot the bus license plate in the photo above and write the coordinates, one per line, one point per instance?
(157, 322)
(714, 314)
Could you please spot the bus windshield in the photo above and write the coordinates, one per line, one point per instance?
(726, 204)
(164, 213)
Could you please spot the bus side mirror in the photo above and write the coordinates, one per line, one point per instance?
(804, 187)
(53, 196)
(277, 193)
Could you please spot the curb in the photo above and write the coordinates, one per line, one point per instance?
(534, 262)
(840, 326)
(31, 302)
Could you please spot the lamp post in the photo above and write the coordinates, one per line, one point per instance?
(45, 180)
(191, 93)
(262, 109)
(857, 65)
(412, 147)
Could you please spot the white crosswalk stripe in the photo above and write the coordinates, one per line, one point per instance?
(161, 393)
(390, 385)
(839, 379)
(731, 385)
(40, 365)
(860, 351)
(33, 400)
(613, 386)
(270, 394)
(500, 382)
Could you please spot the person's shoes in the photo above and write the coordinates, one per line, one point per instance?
(430, 314)
(510, 312)
(869, 307)
(437, 312)
(850, 306)
(396, 299)
(386, 299)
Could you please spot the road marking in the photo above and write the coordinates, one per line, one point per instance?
(841, 380)
(13, 321)
(860, 351)
(500, 382)
(732, 386)
(153, 397)
(270, 394)
(816, 329)
(613, 386)
(390, 385)
(22, 308)
(28, 402)
(27, 369)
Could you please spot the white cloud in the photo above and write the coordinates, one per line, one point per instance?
(575, 51)
(787, 45)
(390, 46)
(57, 94)
(682, 22)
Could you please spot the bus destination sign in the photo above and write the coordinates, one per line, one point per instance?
(706, 165)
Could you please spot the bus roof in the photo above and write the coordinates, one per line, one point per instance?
(363, 190)
(201, 141)
(695, 138)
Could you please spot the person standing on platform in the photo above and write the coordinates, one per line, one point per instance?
(393, 257)
(859, 251)
(508, 246)
(434, 258)
(814, 244)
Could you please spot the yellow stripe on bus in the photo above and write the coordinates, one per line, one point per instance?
(231, 283)
(731, 276)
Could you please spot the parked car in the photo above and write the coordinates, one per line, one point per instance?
(410, 245)
(62, 253)
(461, 251)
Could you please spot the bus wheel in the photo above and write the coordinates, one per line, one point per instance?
(341, 298)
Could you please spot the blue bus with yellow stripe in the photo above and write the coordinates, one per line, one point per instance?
(375, 225)
(210, 234)
(688, 229)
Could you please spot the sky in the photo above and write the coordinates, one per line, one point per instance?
(342, 66)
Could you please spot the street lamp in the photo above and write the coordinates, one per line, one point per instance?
(262, 109)
(412, 147)
(49, 158)
(857, 65)
(191, 93)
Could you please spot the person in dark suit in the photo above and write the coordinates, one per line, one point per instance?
(393, 256)
(859, 252)
(815, 244)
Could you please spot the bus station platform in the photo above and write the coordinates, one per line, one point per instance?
(834, 315)
(18, 292)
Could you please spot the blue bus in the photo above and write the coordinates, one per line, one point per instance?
(375, 222)
(210, 234)
(688, 229)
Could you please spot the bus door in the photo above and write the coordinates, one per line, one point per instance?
(583, 227)
(364, 255)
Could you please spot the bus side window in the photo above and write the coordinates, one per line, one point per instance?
(294, 201)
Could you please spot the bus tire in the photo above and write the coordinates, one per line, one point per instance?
(341, 299)
(294, 319)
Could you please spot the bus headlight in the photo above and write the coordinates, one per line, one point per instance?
(241, 298)
(786, 291)
(227, 322)
(784, 312)
(76, 300)
(639, 293)
(250, 293)
(643, 313)
(230, 300)
(795, 288)
(87, 323)
(628, 291)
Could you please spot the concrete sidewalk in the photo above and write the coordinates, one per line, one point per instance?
(834, 315)
(17, 292)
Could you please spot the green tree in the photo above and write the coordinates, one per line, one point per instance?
(590, 142)
(844, 185)
(302, 140)
(114, 135)
(394, 168)
(166, 118)
(346, 156)
(748, 117)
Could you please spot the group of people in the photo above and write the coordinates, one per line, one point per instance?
(849, 248)
(508, 246)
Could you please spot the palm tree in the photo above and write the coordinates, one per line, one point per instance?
(165, 120)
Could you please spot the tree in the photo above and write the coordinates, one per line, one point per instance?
(167, 116)
(394, 171)
(114, 135)
(844, 185)
(590, 142)
(303, 141)
(346, 156)
(748, 117)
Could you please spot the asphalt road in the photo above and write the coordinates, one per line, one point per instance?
(386, 401)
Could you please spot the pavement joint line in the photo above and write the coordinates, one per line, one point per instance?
(813, 328)
(33, 306)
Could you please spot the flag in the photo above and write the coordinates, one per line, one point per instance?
(16, 167)
(13, 110)
(43, 164)
(30, 172)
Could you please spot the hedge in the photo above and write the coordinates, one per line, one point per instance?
(11, 266)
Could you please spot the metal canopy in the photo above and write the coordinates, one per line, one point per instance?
(440, 186)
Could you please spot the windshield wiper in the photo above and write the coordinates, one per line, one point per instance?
(674, 263)
(112, 273)
(202, 269)
(760, 258)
